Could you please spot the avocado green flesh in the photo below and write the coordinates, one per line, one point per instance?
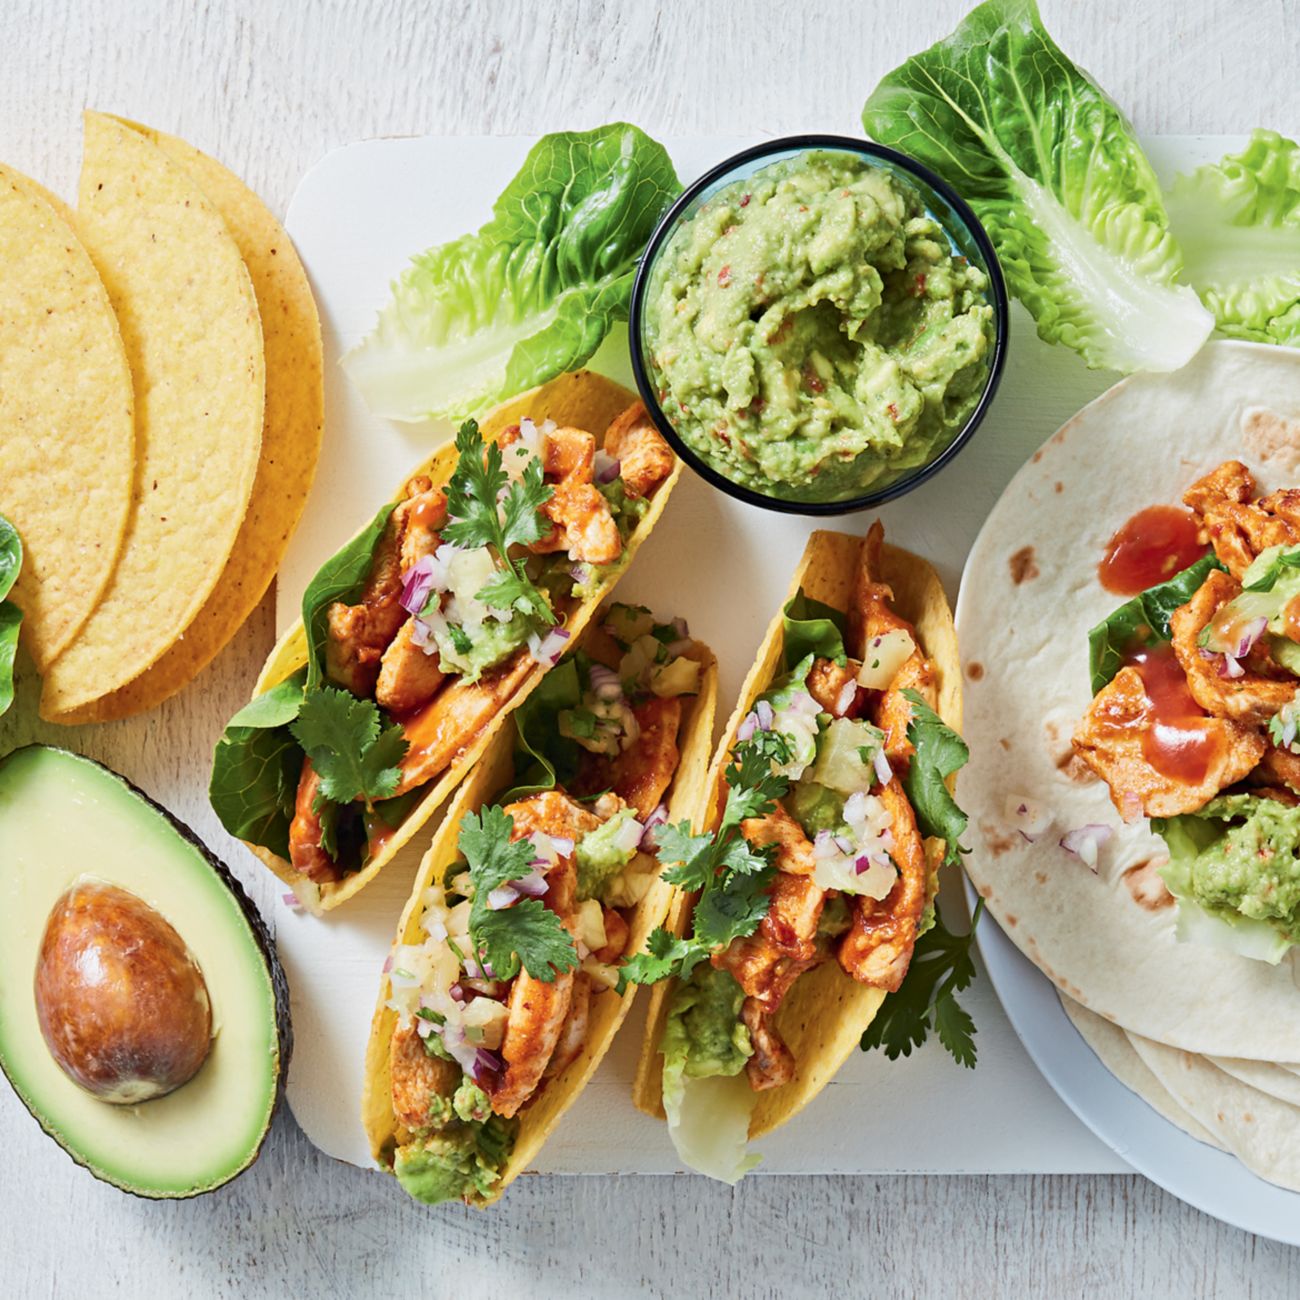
(63, 816)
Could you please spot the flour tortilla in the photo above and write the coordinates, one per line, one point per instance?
(826, 1012)
(1275, 1080)
(489, 779)
(67, 429)
(291, 432)
(1261, 1131)
(1028, 598)
(193, 340)
(1112, 1048)
(580, 398)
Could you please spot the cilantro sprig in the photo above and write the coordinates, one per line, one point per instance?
(731, 876)
(485, 508)
(941, 967)
(528, 934)
(354, 754)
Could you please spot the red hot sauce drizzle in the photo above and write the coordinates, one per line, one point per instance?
(1150, 548)
(1176, 736)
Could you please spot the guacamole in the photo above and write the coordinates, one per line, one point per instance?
(600, 858)
(704, 1035)
(811, 332)
(1238, 858)
(462, 1163)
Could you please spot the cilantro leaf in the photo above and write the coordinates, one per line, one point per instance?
(941, 967)
(527, 933)
(486, 509)
(664, 955)
(940, 751)
(691, 856)
(354, 755)
(732, 909)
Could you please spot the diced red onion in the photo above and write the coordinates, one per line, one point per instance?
(580, 573)
(748, 725)
(388, 963)
(607, 468)
(548, 649)
(1231, 668)
(501, 897)
(533, 885)
(627, 839)
(563, 845)
(884, 773)
(437, 931)
(487, 1065)
(862, 865)
(456, 993)
(1249, 635)
(425, 1027)
(766, 715)
(605, 683)
(417, 583)
(844, 700)
(1288, 728)
(1084, 841)
(292, 901)
(843, 843)
(656, 818)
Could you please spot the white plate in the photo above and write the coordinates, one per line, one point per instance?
(1211, 1180)
(356, 218)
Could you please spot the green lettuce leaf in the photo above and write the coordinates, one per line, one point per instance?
(1055, 172)
(527, 296)
(1144, 620)
(940, 752)
(1238, 223)
(341, 577)
(543, 757)
(812, 628)
(256, 767)
(11, 617)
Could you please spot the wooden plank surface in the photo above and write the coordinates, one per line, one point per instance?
(268, 87)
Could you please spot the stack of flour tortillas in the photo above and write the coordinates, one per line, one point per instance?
(160, 415)
(1210, 1038)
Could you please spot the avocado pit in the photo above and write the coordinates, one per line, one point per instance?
(122, 1004)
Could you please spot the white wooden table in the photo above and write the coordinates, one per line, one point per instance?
(268, 87)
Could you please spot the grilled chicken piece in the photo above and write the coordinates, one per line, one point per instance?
(583, 525)
(644, 771)
(454, 719)
(535, 1020)
(1255, 696)
(827, 682)
(408, 677)
(417, 1078)
(1278, 767)
(794, 852)
(871, 615)
(1109, 739)
(556, 814)
(1238, 527)
(766, 963)
(359, 634)
(305, 851)
(568, 454)
(644, 457)
(771, 1064)
(573, 1036)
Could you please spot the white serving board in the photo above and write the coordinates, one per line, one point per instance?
(356, 218)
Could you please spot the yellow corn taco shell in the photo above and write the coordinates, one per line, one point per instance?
(582, 399)
(826, 1012)
(291, 432)
(67, 430)
(490, 778)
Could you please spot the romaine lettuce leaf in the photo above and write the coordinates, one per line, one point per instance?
(1238, 223)
(1054, 171)
(529, 295)
(11, 617)
(812, 628)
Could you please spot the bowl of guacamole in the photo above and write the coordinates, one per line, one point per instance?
(818, 325)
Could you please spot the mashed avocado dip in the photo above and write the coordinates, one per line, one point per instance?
(811, 332)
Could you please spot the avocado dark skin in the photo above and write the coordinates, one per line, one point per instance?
(261, 938)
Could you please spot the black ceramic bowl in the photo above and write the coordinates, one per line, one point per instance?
(967, 236)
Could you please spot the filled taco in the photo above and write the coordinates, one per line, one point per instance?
(503, 990)
(813, 872)
(419, 637)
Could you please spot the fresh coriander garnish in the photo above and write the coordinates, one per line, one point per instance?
(354, 754)
(528, 933)
(731, 876)
(941, 967)
(486, 509)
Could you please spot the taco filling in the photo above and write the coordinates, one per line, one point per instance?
(526, 931)
(1194, 718)
(812, 854)
(423, 629)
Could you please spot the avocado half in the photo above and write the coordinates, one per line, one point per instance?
(61, 817)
